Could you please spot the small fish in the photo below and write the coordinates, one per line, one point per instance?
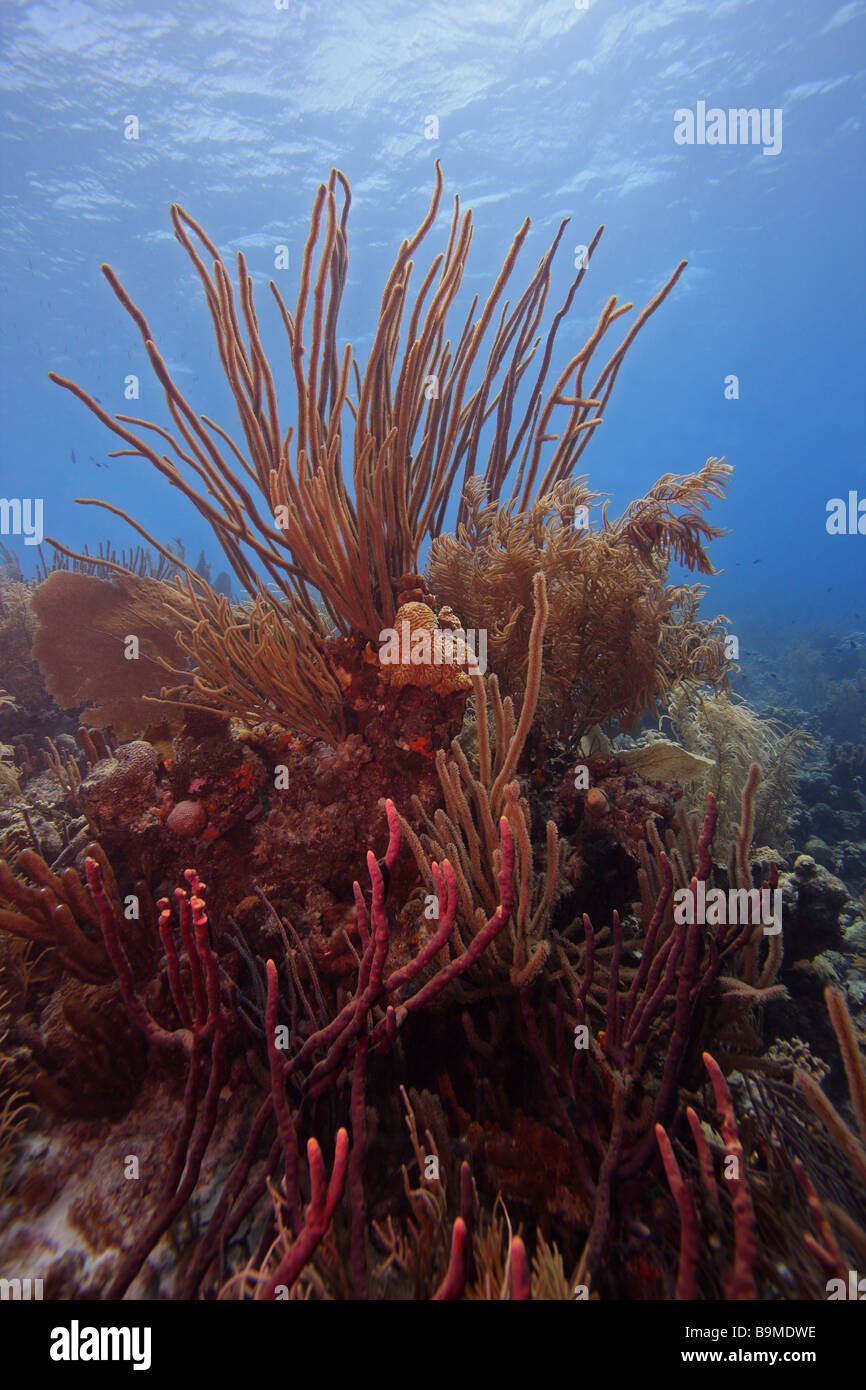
(756, 562)
(72, 455)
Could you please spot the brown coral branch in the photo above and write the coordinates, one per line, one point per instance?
(54, 914)
(533, 685)
(826, 1250)
(356, 1171)
(687, 1270)
(741, 1280)
(285, 1123)
(852, 1057)
(832, 1120)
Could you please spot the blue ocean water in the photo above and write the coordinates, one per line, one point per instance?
(548, 109)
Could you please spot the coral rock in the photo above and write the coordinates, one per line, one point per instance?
(443, 675)
(812, 900)
(118, 790)
(187, 818)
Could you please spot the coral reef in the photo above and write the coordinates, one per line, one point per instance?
(830, 818)
(327, 975)
(612, 1023)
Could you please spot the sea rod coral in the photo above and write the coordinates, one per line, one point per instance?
(323, 519)
(574, 1149)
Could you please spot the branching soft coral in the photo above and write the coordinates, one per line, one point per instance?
(725, 729)
(618, 636)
